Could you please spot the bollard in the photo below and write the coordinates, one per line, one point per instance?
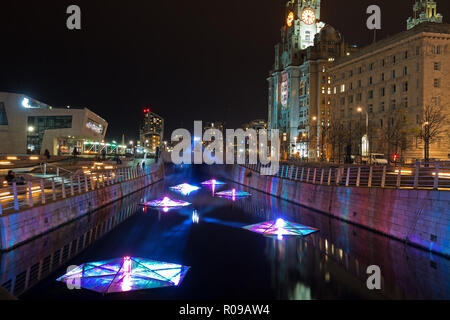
(358, 178)
(30, 195)
(63, 188)
(436, 177)
(383, 178)
(42, 191)
(53, 189)
(16, 200)
(416, 176)
(72, 191)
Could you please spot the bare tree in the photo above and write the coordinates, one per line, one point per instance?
(337, 138)
(395, 136)
(432, 125)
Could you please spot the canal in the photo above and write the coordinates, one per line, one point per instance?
(227, 262)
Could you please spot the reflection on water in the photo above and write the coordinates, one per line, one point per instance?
(226, 260)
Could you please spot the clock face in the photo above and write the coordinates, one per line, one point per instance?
(308, 16)
(290, 19)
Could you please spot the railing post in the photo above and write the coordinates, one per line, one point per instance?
(30, 194)
(383, 178)
(79, 184)
(416, 176)
(292, 172)
(16, 199)
(322, 175)
(303, 171)
(329, 176)
(369, 183)
(42, 191)
(72, 191)
(86, 186)
(399, 178)
(436, 177)
(315, 175)
(53, 189)
(347, 182)
(358, 177)
(338, 175)
(63, 188)
(307, 175)
(1, 211)
(57, 171)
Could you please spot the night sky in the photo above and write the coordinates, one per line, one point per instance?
(186, 60)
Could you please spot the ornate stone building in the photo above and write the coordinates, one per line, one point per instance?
(389, 84)
(299, 85)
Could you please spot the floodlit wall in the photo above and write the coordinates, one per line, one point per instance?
(17, 228)
(418, 217)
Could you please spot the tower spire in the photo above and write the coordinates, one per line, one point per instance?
(424, 11)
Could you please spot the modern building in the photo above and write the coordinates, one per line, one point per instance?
(299, 85)
(28, 126)
(152, 131)
(380, 92)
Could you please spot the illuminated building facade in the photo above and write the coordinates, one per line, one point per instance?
(299, 88)
(28, 126)
(152, 131)
(393, 80)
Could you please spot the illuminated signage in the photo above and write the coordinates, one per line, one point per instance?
(94, 126)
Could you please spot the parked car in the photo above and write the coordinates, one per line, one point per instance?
(375, 158)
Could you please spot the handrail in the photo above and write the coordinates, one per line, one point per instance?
(46, 164)
(39, 191)
(430, 176)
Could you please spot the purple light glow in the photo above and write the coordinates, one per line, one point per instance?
(233, 194)
(281, 228)
(185, 189)
(166, 203)
(125, 274)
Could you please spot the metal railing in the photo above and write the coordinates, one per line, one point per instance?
(433, 175)
(18, 197)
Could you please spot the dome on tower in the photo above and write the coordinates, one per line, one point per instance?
(328, 33)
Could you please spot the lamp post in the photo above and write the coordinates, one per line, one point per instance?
(360, 110)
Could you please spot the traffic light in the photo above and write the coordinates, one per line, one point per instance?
(395, 157)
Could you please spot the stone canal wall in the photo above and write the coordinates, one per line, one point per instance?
(20, 227)
(418, 217)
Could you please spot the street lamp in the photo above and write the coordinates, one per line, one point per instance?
(30, 129)
(361, 110)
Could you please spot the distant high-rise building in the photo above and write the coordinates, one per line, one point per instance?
(152, 130)
(424, 11)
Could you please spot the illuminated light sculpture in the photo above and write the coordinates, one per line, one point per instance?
(213, 182)
(281, 228)
(166, 203)
(233, 194)
(185, 189)
(124, 275)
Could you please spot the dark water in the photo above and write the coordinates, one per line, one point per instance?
(227, 261)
